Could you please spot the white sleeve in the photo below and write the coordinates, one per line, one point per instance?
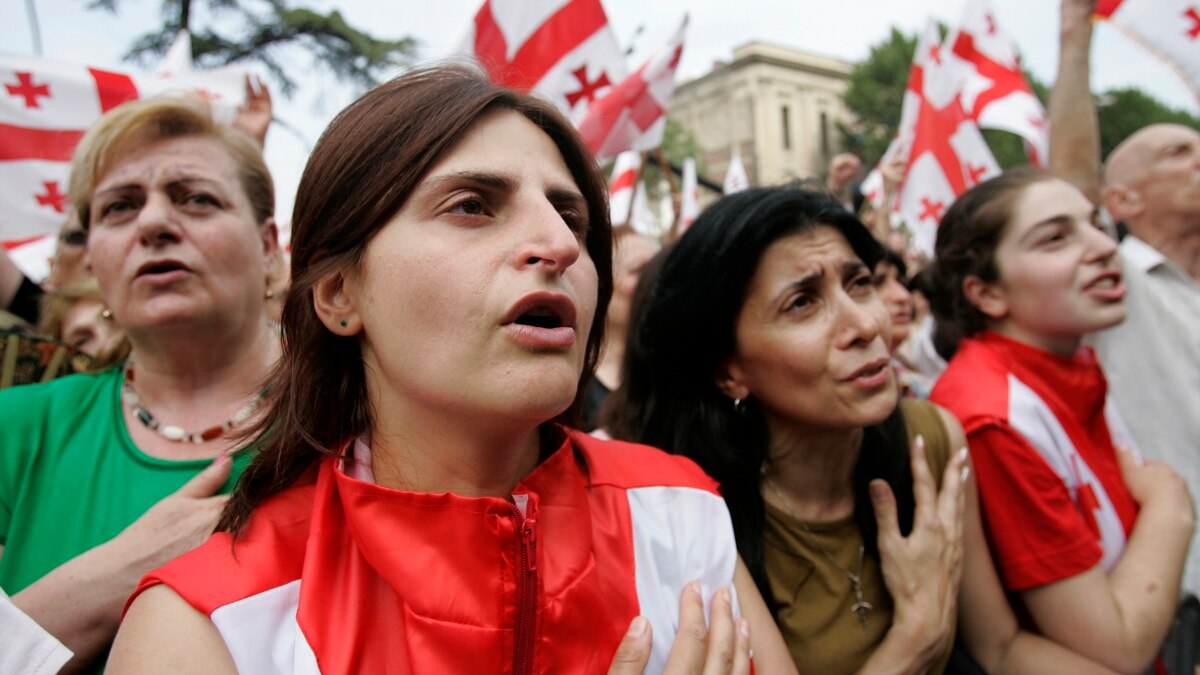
(25, 647)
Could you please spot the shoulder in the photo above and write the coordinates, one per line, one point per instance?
(632, 465)
(975, 386)
(74, 391)
(267, 555)
(939, 427)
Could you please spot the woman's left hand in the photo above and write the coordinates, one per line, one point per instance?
(922, 571)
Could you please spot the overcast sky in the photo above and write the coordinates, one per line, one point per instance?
(843, 29)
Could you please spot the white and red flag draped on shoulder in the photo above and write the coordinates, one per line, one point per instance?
(947, 152)
(995, 92)
(633, 115)
(1168, 28)
(621, 186)
(563, 50)
(45, 108)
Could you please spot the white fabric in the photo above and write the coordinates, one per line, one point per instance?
(262, 634)
(25, 647)
(624, 178)
(689, 195)
(735, 177)
(1032, 418)
(1152, 361)
(1168, 28)
(679, 535)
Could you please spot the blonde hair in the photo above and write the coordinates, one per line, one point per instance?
(135, 124)
(54, 310)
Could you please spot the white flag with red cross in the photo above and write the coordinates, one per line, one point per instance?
(1168, 28)
(736, 179)
(689, 196)
(621, 186)
(633, 115)
(45, 108)
(995, 92)
(563, 50)
(947, 152)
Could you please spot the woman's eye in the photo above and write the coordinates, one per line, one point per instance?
(800, 302)
(470, 207)
(200, 199)
(576, 221)
(869, 281)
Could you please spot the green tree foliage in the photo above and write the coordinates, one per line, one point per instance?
(876, 94)
(256, 30)
(678, 144)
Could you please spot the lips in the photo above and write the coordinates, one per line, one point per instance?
(163, 266)
(1106, 286)
(873, 373)
(542, 320)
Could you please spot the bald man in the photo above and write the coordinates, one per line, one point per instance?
(1150, 183)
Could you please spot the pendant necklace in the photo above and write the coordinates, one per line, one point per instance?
(860, 607)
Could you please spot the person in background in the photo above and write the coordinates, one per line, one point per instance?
(106, 476)
(420, 502)
(1089, 541)
(78, 317)
(841, 180)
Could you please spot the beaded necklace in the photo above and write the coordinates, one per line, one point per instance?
(172, 432)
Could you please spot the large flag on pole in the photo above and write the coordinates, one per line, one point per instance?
(45, 108)
(633, 115)
(947, 152)
(1168, 28)
(561, 49)
(995, 92)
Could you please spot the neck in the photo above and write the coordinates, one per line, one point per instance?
(608, 370)
(1063, 345)
(419, 448)
(814, 471)
(1178, 239)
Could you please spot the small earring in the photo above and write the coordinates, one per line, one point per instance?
(342, 323)
(739, 406)
(269, 295)
(106, 314)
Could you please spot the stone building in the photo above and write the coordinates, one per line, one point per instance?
(780, 106)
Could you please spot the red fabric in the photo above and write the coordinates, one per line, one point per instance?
(1038, 534)
(402, 582)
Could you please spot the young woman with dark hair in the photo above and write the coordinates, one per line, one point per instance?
(414, 508)
(1089, 540)
(761, 351)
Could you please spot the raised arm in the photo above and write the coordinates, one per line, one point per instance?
(80, 601)
(1074, 126)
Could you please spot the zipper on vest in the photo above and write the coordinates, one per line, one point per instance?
(526, 590)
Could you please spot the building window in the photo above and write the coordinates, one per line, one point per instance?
(825, 135)
(787, 128)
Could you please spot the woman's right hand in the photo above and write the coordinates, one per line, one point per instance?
(922, 571)
(1154, 484)
(722, 648)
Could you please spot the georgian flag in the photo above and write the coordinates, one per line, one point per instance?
(689, 196)
(947, 152)
(995, 93)
(633, 115)
(1168, 28)
(563, 50)
(45, 108)
(736, 179)
(622, 185)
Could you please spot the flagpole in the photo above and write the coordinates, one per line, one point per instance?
(35, 30)
(637, 176)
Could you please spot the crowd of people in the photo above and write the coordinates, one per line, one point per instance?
(469, 427)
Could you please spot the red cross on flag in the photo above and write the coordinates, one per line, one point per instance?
(995, 93)
(1168, 28)
(563, 50)
(45, 107)
(633, 115)
(947, 151)
(621, 186)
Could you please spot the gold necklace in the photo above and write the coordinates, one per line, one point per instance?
(860, 607)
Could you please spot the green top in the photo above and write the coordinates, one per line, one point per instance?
(70, 476)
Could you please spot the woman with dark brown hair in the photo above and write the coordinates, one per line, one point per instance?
(415, 506)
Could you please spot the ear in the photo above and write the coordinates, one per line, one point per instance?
(1122, 202)
(268, 234)
(336, 303)
(731, 380)
(988, 297)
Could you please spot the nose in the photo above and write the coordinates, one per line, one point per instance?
(548, 240)
(857, 320)
(1101, 247)
(156, 224)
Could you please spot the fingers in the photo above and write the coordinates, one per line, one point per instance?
(209, 480)
(688, 651)
(722, 641)
(884, 503)
(924, 489)
(634, 651)
(951, 500)
(741, 657)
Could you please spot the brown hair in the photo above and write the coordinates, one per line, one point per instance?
(135, 124)
(54, 310)
(362, 171)
(966, 247)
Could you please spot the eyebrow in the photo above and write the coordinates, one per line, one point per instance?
(184, 180)
(501, 183)
(1058, 220)
(849, 269)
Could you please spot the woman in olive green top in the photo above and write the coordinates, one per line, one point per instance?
(762, 353)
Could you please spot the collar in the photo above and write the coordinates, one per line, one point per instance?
(1141, 255)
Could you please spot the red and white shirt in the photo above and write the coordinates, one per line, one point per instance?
(340, 575)
(1041, 429)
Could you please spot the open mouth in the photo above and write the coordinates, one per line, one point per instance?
(540, 317)
(162, 267)
(543, 310)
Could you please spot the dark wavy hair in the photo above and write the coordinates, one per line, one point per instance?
(966, 245)
(362, 171)
(686, 329)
